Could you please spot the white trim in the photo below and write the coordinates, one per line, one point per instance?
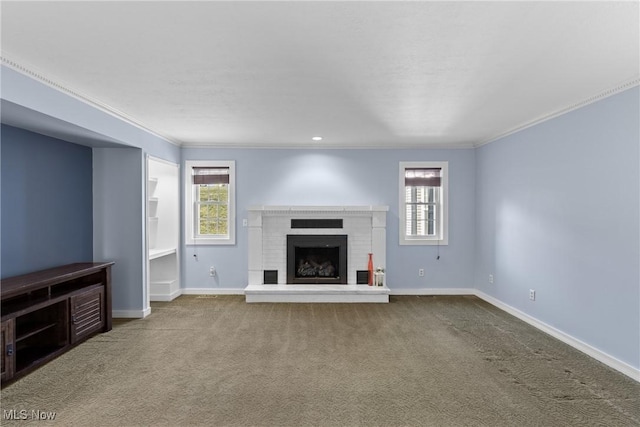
(165, 298)
(188, 204)
(39, 76)
(131, 314)
(444, 187)
(599, 355)
(600, 96)
(434, 145)
(166, 162)
(213, 291)
(345, 210)
(85, 99)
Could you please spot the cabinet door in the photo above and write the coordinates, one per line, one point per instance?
(87, 313)
(8, 350)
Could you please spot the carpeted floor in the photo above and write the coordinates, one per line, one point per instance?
(417, 361)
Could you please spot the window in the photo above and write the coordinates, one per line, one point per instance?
(210, 202)
(423, 203)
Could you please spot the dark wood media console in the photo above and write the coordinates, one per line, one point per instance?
(46, 313)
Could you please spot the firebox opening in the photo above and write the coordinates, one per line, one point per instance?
(317, 262)
(316, 259)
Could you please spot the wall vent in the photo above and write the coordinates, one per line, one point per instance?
(316, 223)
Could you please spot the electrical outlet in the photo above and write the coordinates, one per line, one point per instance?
(212, 271)
(491, 278)
(245, 222)
(421, 272)
(532, 294)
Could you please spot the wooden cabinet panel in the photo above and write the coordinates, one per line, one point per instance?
(87, 313)
(8, 350)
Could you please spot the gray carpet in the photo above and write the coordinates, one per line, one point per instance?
(418, 361)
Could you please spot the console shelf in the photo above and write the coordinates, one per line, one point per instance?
(34, 330)
(46, 313)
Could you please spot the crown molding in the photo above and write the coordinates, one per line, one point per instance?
(105, 108)
(598, 97)
(332, 146)
(114, 112)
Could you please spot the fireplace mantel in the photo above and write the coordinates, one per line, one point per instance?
(268, 226)
(346, 210)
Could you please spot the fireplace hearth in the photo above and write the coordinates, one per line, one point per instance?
(316, 259)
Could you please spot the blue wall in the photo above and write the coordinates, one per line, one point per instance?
(46, 202)
(118, 229)
(558, 212)
(342, 177)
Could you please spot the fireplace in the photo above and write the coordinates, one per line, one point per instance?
(269, 226)
(316, 259)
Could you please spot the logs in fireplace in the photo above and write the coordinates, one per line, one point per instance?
(316, 259)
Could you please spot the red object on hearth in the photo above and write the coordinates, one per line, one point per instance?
(370, 269)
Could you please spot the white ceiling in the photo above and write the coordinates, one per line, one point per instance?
(360, 74)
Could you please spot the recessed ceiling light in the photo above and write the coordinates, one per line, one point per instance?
(317, 138)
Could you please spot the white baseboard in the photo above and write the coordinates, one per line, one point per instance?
(213, 291)
(166, 298)
(432, 291)
(130, 314)
(599, 355)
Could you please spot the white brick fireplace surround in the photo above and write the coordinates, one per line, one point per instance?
(366, 230)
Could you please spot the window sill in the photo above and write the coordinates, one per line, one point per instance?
(423, 242)
(210, 242)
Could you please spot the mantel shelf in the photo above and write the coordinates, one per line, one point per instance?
(159, 253)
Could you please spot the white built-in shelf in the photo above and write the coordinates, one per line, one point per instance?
(152, 207)
(153, 183)
(161, 252)
(163, 229)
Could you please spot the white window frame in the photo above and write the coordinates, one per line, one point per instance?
(191, 237)
(442, 236)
